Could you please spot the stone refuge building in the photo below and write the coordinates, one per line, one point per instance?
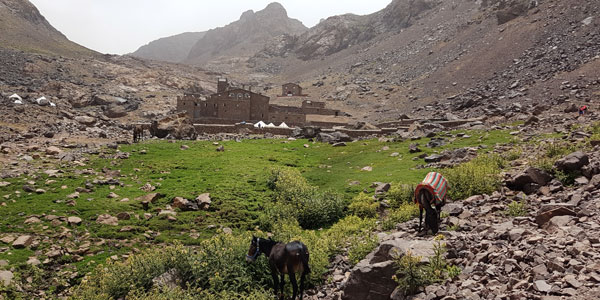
(292, 90)
(231, 105)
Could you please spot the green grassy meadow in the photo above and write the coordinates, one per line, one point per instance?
(236, 180)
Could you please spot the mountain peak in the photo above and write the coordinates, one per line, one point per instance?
(275, 8)
(247, 15)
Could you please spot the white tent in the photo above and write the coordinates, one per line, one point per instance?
(42, 101)
(260, 124)
(15, 97)
(52, 104)
(283, 125)
(271, 125)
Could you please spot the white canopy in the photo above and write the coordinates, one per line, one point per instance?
(18, 101)
(40, 99)
(52, 104)
(271, 125)
(15, 97)
(283, 125)
(260, 124)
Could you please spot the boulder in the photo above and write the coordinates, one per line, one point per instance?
(22, 241)
(382, 188)
(413, 148)
(52, 150)
(572, 108)
(184, 204)
(6, 277)
(86, 120)
(123, 216)
(308, 132)
(115, 111)
(74, 220)
(178, 126)
(433, 158)
(107, 219)
(530, 175)
(334, 137)
(572, 162)
(170, 280)
(531, 120)
(203, 201)
(326, 138)
(372, 279)
(513, 9)
(150, 198)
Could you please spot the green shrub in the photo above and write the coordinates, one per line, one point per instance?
(404, 213)
(517, 209)
(412, 274)
(478, 176)
(361, 246)
(513, 154)
(296, 198)
(400, 194)
(363, 206)
(218, 265)
(544, 163)
(567, 178)
(323, 245)
(179, 294)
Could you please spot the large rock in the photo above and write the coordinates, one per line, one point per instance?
(74, 220)
(334, 137)
(572, 162)
(178, 126)
(170, 279)
(52, 150)
(115, 111)
(184, 204)
(85, 120)
(6, 277)
(513, 9)
(308, 132)
(204, 201)
(149, 198)
(529, 176)
(107, 219)
(371, 278)
(22, 241)
(370, 281)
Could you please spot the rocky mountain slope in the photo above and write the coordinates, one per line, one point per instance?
(170, 49)
(243, 38)
(476, 58)
(24, 28)
(340, 32)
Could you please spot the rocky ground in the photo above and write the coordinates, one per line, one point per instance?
(547, 249)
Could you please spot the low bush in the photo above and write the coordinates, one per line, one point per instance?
(363, 206)
(404, 213)
(361, 246)
(412, 274)
(296, 198)
(217, 266)
(478, 176)
(517, 209)
(400, 194)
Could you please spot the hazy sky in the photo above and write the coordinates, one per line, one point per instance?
(122, 26)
